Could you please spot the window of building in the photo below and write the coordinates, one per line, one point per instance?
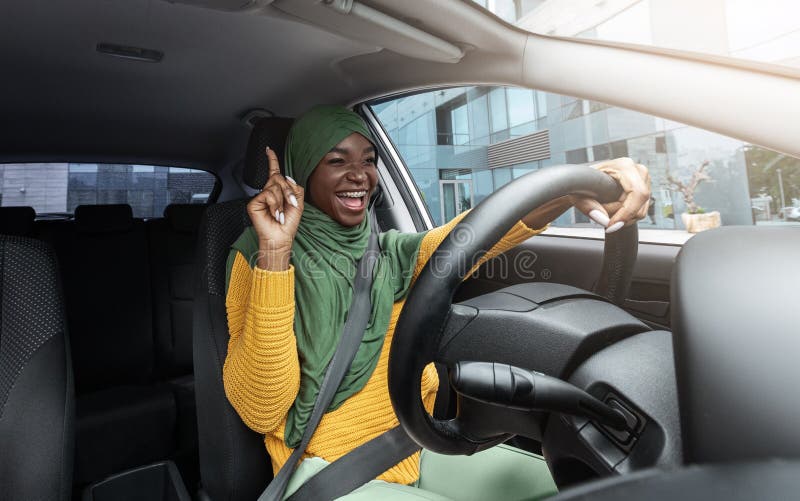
(595, 106)
(479, 120)
(573, 110)
(499, 112)
(60, 187)
(748, 184)
(661, 144)
(541, 104)
(577, 156)
(501, 176)
(600, 152)
(619, 149)
(460, 121)
(520, 107)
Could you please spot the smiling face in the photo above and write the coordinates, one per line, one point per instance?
(343, 180)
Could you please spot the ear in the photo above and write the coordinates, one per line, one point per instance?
(376, 198)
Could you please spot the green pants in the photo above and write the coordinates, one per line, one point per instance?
(500, 473)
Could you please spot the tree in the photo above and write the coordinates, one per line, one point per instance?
(687, 188)
(763, 166)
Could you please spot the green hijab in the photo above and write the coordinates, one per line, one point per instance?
(325, 255)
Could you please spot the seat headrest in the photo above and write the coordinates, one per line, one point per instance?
(184, 218)
(270, 132)
(17, 220)
(735, 331)
(103, 218)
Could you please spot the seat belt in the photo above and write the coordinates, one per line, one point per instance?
(352, 334)
(357, 467)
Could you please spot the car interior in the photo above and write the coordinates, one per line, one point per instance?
(114, 329)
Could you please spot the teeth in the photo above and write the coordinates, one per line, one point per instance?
(352, 194)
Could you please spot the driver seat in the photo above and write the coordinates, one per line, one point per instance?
(234, 464)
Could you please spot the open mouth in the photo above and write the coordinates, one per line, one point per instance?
(353, 200)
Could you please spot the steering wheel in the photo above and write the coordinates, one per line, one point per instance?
(425, 314)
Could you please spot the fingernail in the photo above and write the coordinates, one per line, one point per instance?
(599, 218)
(277, 215)
(291, 180)
(614, 227)
(283, 219)
(267, 149)
(293, 200)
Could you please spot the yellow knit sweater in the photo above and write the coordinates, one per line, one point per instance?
(262, 373)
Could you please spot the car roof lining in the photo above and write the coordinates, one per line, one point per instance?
(63, 100)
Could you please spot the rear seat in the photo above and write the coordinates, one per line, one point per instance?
(17, 221)
(125, 417)
(172, 242)
(129, 287)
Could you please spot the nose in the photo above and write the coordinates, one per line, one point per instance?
(356, 174)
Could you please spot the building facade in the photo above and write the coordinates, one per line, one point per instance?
(462, 144)
(60, 187)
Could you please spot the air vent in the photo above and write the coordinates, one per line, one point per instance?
(519, 150)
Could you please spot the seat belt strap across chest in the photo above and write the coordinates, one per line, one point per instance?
(352, 334)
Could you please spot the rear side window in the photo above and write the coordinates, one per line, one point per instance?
(54, 188)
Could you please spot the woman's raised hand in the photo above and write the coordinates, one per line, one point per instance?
(275, 212)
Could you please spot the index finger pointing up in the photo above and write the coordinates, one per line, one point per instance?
(274, 166)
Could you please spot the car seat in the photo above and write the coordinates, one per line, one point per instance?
(234, 464)
(36, 387)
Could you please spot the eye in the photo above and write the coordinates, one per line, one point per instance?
(370, 161)
(336, 161)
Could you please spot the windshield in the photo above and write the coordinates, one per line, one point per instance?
(760, 30)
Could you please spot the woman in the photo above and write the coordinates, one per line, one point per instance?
(289, 289)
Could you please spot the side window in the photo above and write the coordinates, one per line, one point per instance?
(461, 144)
(60, 187)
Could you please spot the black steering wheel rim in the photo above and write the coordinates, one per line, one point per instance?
(419, 328)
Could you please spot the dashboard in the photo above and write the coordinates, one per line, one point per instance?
(574, 335)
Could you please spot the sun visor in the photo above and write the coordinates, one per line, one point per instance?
(357, 21)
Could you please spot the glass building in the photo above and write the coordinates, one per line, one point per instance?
(462, 144)
(60, 187)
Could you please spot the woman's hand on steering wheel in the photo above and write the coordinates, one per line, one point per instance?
(275, 212)
(632, 204)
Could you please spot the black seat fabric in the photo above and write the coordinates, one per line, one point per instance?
(107, 281)
(234, 464)
(17, 221)
(36, 388)
(173, 241)
(126, 418)
(270, 132)
(122, 427)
